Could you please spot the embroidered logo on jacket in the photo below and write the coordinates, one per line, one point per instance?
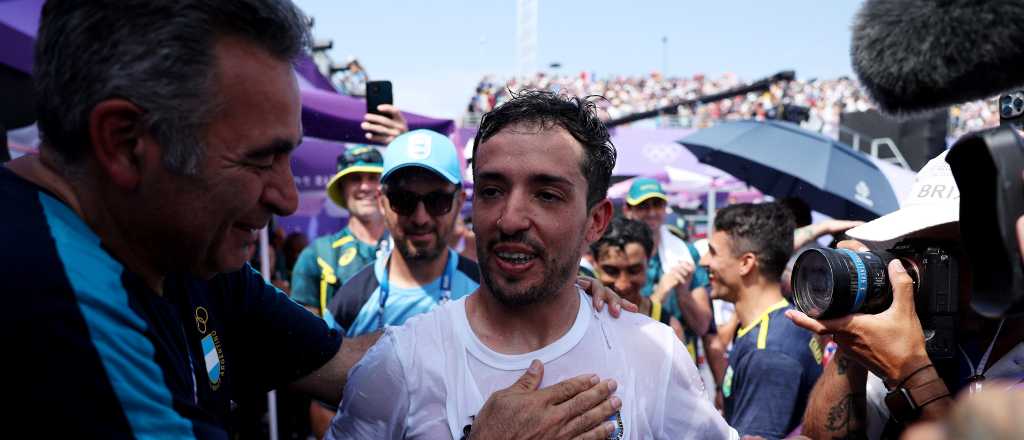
(213, 358)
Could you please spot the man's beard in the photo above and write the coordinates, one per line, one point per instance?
(412, 253)
(556, 273)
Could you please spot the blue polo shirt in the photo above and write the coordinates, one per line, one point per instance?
(773, 365)
(356, 306)
(100, 355)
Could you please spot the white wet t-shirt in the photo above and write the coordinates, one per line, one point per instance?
(429, 378)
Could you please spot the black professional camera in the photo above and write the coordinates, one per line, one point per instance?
(831, 283)
(987, 167)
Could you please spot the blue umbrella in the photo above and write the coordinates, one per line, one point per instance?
(784, 160)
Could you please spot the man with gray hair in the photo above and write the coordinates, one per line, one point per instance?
(167, 132)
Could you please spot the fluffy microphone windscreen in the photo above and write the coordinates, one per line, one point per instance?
(913, 56)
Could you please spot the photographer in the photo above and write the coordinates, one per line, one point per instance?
(887, 351)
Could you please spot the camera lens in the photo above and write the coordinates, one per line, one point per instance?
(1007, 111)
(1018, 104)
(829, 283)
(1005, 100)
(813, 284)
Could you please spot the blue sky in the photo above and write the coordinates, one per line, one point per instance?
(435, 51)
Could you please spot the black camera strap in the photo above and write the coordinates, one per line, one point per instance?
(977, 374)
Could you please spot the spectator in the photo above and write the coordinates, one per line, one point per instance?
(673, 278)
(682, 289)
(773, 363)
(421, 168)
(826, 99)
(353, 81)
(622, 254)
(330, 260)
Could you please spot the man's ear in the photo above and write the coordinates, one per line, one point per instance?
(748, 263)
(600, 217)
(119, 138)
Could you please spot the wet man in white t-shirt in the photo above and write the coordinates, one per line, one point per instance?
(542, 163)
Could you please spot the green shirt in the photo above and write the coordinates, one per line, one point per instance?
(326, 264)
(655, 271)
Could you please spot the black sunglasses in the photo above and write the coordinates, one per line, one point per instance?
(367, 155)
(404, 203)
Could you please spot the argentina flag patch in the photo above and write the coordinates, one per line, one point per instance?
(213, 359)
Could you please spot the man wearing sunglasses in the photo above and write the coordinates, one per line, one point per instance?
(422, 193)
(332, 259)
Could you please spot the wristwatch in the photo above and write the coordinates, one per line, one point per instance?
(905, 403)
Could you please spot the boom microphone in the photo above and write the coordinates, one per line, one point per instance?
(917, 55)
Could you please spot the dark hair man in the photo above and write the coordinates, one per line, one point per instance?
(421, 181)
(773, 363)
(622, 254)
(422, 188)
(167, 132)
(541, 166)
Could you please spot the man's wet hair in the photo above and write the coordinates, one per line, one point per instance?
(157, 54)
(764, 229)
(576, 115)
(623, 231)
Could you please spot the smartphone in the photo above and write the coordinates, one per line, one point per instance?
(377, 93)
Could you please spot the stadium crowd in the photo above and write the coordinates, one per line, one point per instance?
(825, 98)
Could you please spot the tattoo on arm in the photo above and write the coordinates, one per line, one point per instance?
(846, 418)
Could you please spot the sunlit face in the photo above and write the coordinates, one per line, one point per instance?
(651, 212)
(530, 212)
(623, 269)
(361, 192)
(723, 267)
(420, 236)
(211, 219)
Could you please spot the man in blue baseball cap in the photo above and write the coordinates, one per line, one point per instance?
(332, 259)
(421, 184)
(418, 166)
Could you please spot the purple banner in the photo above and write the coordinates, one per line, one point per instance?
(648, 152)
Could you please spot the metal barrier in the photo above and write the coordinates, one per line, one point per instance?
(874, 145)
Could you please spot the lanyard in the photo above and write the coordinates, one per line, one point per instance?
(977, 375)
(446, 285)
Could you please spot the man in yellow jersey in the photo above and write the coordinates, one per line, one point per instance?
(773, 363)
